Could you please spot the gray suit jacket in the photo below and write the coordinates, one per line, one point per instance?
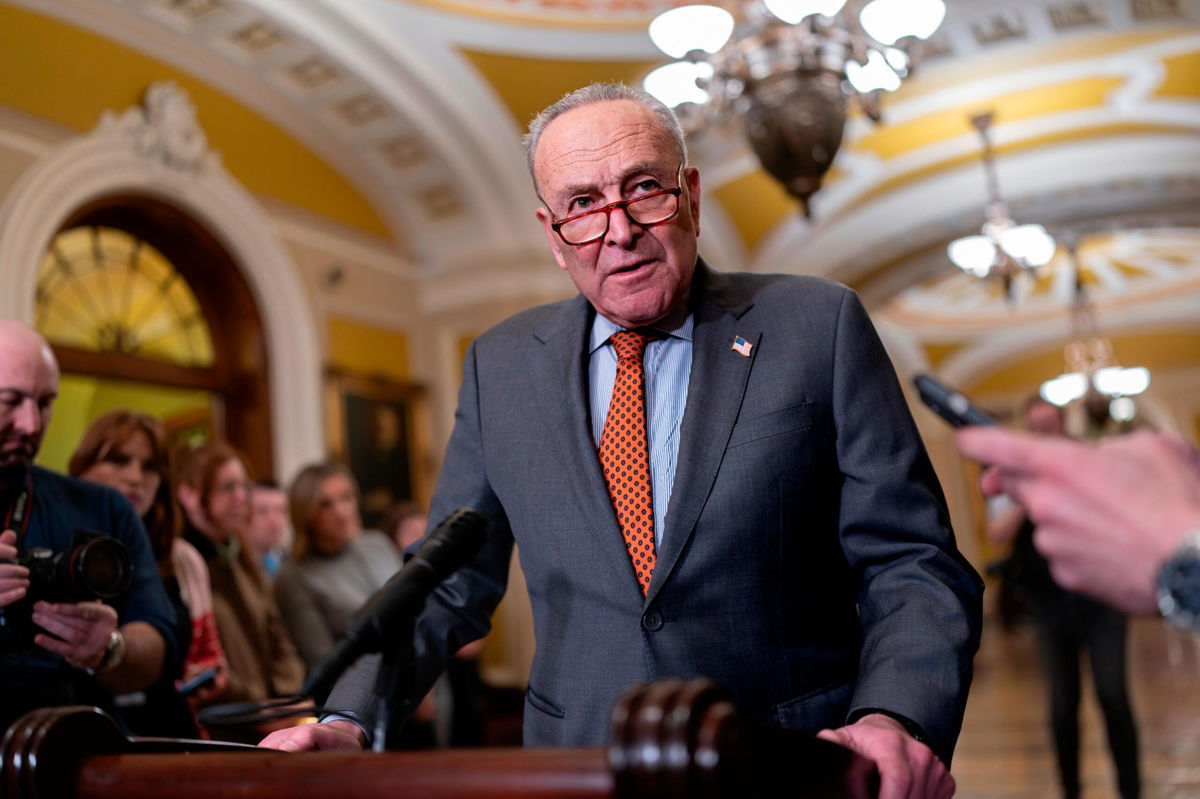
(808, 563)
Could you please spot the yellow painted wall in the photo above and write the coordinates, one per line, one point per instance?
(82, 399)
(1159, 350)
(69, 76)
(527, 85)
(755, 203)
(367, 350)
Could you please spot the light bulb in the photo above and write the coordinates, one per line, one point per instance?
(875, 74)
(1116, 381)
(675, 83)
(1064, 389)
(1029, 244)
(973, 254)
(1122, 409)
(699, 27)
(888, 21)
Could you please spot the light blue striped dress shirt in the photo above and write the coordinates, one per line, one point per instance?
(668, 364)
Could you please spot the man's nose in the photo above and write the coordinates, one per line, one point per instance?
(622, 230)
(28, 417)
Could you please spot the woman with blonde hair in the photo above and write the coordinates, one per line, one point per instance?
(127, 450)
(335, 566)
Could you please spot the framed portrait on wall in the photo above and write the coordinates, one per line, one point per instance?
(379, 429)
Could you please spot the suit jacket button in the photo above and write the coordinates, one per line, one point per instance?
(652, 621)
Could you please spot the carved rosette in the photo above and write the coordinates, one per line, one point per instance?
(163, 129)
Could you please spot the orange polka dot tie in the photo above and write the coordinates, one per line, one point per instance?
(625, 454)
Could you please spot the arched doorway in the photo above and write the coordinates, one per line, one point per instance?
(135, 154)
(141, 301)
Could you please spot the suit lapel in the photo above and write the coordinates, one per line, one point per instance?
(715, 391)
(560, 368)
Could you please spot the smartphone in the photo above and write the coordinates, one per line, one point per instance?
(201, 680)
(949, 404)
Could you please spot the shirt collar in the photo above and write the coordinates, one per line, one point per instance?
(677, 324)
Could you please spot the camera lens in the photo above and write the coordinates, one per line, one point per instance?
(101, 568)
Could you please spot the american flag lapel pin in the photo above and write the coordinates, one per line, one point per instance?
(741, 346)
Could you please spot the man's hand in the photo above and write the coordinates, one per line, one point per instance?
(908, 769)
(14, 579)
(77, 631)
(1107, 514)
(329, 736)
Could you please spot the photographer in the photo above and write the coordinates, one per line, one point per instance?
(56, 649)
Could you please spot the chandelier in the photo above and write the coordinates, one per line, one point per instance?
(1092, 371)
(1003, 249)
(786, 69)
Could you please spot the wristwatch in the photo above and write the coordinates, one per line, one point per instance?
(1179, 584)
(114, 653)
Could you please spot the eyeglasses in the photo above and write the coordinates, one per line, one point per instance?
(649, 209)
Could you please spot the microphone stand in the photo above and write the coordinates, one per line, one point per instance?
(394, 686)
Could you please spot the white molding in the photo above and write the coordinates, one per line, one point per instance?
(116, 159)
(303, 229)
(984, 356)
(928, 211)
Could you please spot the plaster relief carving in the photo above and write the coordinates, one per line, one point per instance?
(164, 129)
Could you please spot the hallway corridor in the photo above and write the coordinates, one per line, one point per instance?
(1005, 751)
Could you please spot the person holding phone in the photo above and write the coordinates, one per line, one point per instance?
(1118, 520)
(1067, 624)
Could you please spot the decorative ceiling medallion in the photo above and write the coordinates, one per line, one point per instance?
(313, 73)
(999, 27)
(258, 37)
(403, 152)
(359, 110)
(1077, 14)
(1158, 9)
(194, 10)
(441, 202)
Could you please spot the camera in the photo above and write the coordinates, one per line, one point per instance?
(95, 566)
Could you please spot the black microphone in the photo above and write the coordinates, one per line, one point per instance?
(450, 546)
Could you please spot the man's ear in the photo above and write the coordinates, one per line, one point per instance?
(543, 215)
(691, 176)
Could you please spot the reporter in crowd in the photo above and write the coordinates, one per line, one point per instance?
(81, 652)
(1068, 624)
(335, 566)
(266, 534)
(128, 451)
(214, 490)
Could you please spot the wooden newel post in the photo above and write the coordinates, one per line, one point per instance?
(671, 739)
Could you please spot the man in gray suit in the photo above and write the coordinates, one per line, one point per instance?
(793, 543)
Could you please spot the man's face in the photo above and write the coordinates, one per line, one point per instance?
(601, 153)
(228, 505)
(28, 386)
(268, 519)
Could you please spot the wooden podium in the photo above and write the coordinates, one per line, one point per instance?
(670, 740)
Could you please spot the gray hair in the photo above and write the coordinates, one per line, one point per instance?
(599, 93)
